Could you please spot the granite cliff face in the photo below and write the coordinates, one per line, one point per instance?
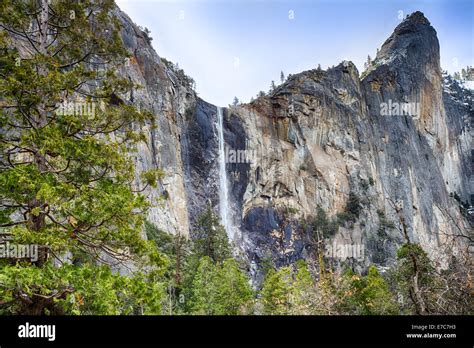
(167, 97)
(315, 140)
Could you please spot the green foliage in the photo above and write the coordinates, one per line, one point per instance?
(275, 293)
(220, 289)
(417, 284)
(353, 207)
(322, 226)
(151, 177)
(65, 174)
(303, 167)
(384, 224)
(302, 291)
(184, 79)
(210, 241)
(293, 290)
(405, 256)
(287, 212)
(413, 264)
(164, 241)
(66, 163)
(176, 248)
(288, 290)
(85, 289)
(146, 34)
(291, 210)
(210, 237)
(266, 265)
(367, 295)
(352, 210)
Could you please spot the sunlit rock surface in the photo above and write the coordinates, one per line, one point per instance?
(312, 141)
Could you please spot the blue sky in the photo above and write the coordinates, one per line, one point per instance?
(237, 47)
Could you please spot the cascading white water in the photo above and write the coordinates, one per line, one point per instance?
(224, 210)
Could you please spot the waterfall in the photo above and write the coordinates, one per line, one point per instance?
(224, 210)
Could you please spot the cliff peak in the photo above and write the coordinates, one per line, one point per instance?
(413, 37)
(411, 53)
(417, 17)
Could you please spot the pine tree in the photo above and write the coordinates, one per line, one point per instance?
(275, 293)
(210, 237)
(282, 77)
(175, 246)
(235, 101)
(220, 289)
(272, 87)
(65, 180)
(204, 287)
(414, 275)
(289, 290)
(367, 295)
(303, 291)
(235, 294)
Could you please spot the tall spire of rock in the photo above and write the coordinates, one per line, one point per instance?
(407, 69)
(412, 50)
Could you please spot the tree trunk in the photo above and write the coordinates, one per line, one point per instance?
(38, 220)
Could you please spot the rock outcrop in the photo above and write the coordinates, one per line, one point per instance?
(396, 139)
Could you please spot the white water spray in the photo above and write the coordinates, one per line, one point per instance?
(224, 210)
